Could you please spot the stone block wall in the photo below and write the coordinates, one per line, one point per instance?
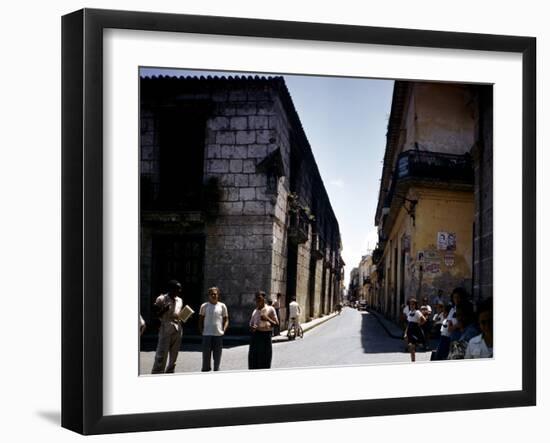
(245, 246)
(483, 197)
(149, 153)
(245, 225)
(302, 275)
(318, 287)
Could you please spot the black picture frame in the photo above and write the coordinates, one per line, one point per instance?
(82, 218)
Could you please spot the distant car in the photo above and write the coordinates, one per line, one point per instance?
(362, 306)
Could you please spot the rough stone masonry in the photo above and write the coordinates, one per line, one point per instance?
(254, 156)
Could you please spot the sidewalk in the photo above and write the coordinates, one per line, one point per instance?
(149, 342)
(305, 326)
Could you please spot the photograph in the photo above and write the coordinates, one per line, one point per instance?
(298, 221)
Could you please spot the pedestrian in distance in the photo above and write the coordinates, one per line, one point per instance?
(168, 307)
(277, 306)
(413, 333)
(294, 312)
(213, 322)
(262, 321)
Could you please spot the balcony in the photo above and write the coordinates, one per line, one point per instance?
(317, 246)
(435, 166)
(298, 228)
(432, 169)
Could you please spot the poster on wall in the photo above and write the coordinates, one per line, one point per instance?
(446, 241)
(449, 259)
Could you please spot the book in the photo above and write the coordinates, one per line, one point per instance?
(185, 313)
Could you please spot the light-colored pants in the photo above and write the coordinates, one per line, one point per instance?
(167, 348)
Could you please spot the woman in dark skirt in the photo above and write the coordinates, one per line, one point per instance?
(262, 322)
(414, 333)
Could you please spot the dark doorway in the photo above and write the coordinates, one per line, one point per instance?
(311, 286)
(180, 258)
(291, 272)
(182, 135)
(323, 289)
(395, 283)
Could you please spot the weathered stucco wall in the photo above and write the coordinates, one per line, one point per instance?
(441, 118)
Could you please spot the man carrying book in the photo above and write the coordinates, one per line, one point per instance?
(213, 322)
(168, 307)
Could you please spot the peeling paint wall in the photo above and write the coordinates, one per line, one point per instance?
(441, 118)
(422, 267)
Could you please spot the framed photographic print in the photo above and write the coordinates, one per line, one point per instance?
(283, 221)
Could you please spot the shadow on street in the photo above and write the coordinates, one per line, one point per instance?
(148, 343)
(375, 339)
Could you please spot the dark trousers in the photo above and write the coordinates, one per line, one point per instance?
(260, 351)
(443, 348)
(211, 347)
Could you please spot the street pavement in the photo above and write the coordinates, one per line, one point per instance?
(351, 338)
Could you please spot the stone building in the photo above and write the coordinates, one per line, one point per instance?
(431, 192)
(231, 196)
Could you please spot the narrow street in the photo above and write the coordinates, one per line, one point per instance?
(352, 338)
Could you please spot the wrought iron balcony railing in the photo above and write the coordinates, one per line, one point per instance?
(435, 165)
(432, 167)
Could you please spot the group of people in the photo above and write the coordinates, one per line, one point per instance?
(461, 332)
(213, 323)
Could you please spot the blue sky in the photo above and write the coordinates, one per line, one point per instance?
(345, 121)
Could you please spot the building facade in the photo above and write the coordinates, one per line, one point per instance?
(231, 196)
(429, 200)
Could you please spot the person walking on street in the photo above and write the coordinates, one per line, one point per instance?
(213, 322)
(413, 333)
(262, 321)
(294, 311)
(168, 307)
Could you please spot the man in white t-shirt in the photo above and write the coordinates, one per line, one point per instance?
(294, 311)
(213, 322)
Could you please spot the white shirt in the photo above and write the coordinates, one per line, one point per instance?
(406, 311)
(294, 309)
(170, 317)
(445, 328)
(414, 316)
(477, 348)
(213, 318)
(452, 316)
(438, 318)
